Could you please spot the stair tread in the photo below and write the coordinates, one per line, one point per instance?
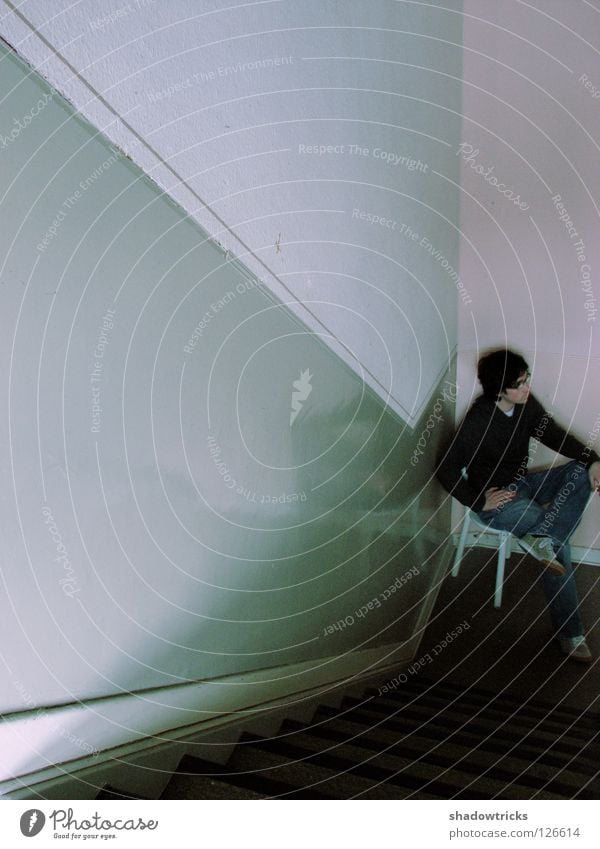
(112, 793)
(205, 787)
(448, 688)
(373, 713)
(327, 780)
(280, 777)
(462, 742)
(394, 731)
(422, 740)
(459, 711)
(397, 771)
(493, 717)
(446, 756)
(257, 781)
(551, 721)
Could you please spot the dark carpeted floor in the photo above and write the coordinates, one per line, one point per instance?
(511, 650)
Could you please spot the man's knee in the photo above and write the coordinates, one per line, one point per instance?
(581, 471)
(517, 516)
(576, 473)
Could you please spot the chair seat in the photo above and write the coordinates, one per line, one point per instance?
(504, 549)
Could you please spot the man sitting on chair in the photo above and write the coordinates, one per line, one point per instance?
(541, 508)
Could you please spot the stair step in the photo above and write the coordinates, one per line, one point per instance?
(351, 753)
(407, 776)
(449, 690)
(111, 793)
(205, 787)
(423, 740)
(446, 723)
(512, 769)
(491, 715)
(489, 712)
(392, 732)
(413, 688)
(274, 777)
(302, 774)
(502, 742)
(584, 765)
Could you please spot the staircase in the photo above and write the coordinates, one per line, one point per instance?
(423, 740)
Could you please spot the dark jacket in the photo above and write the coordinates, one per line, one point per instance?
(493, 448)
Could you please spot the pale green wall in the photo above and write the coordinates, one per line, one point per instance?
(172, 573)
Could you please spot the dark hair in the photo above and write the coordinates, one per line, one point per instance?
(499, 370)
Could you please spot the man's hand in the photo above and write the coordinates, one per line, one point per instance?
(594, 475)
(495, 497)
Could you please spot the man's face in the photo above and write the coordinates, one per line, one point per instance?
(518, 392)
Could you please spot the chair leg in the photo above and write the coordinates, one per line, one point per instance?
(461, 545)
(503, 548)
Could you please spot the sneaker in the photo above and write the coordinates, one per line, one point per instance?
(542, 548)
(576, 648)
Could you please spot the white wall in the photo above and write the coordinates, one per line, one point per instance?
(164, 518)
(226, 107)
(531, 106)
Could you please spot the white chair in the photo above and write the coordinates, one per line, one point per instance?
(504, 549)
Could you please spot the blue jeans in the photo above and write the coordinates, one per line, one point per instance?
(564, 491)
